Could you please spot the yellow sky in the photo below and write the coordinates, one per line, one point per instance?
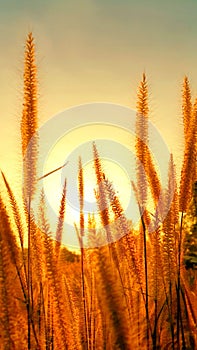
(95, 51)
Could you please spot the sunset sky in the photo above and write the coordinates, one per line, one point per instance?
(96, 51)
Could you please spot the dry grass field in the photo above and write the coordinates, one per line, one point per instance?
(139, 292)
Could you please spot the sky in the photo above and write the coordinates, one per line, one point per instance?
(96, 51)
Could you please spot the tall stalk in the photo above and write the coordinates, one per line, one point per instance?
(146, 278)
(188, 173)
(29, 124)
(141, 166)
(80, 237)
(179, 283)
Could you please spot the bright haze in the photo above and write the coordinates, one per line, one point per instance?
(96, 51)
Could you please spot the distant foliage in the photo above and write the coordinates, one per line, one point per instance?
(190, 241)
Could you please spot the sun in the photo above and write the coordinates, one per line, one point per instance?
(118, 163)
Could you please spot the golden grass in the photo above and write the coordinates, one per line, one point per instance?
(133, 293)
